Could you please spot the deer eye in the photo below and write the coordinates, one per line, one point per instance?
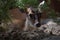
(32, 16)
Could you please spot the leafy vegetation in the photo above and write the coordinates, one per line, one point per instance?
(25, 3)
(5, 5)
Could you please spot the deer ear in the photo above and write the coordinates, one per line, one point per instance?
(28, 11)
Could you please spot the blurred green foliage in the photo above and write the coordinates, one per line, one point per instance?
(5, 5)
(25, 3)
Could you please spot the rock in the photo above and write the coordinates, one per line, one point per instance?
(51, 23)
(44, 21)
(56, 30)
(51, 27)
(52, 38)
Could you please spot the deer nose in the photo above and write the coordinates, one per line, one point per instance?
(38, 25)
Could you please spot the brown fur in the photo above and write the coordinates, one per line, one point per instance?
(18, 18)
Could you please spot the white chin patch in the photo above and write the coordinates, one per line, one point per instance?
(36, 23)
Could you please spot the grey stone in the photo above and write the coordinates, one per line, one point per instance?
(52, 38)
